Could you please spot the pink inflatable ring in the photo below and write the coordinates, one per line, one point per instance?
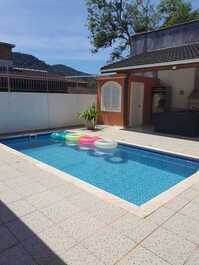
(88, 140)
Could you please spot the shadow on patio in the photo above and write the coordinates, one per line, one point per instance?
(21, 245)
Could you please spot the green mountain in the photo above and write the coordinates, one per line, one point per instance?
(29, 61)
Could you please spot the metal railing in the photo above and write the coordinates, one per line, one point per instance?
(28, 80)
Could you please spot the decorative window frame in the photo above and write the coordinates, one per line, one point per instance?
(111, 85)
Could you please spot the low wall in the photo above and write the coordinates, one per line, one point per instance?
(35, 111)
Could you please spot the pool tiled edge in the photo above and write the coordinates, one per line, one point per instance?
(142, 211)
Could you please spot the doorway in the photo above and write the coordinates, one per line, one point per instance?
(136, 104)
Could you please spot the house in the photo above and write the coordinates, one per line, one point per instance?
(17, 79)
(6, 54)
(161, 75)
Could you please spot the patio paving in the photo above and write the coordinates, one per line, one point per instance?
(46, 220)
(171, 144)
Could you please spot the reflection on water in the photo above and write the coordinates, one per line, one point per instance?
(117, 158)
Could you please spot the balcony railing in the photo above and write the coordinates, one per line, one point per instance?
(24, 80)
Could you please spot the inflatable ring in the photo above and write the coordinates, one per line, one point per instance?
(105, 144)
(88, 140)
(73, 137)
(59, 136)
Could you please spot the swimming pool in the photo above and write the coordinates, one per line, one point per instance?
(131, 173)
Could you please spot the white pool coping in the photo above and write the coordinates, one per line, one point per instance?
(141, 211)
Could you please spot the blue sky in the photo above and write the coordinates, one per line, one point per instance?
(53, 30)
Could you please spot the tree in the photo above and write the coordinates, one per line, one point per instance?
(113, 22)
(176, 11)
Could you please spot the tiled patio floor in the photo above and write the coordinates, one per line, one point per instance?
(171, 144)
(46, 220)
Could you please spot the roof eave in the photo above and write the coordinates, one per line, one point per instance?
(10, 45)
(155, 65)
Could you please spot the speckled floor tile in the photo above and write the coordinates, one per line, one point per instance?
(44, 199)
(80, 256)
(106, 212)
(81, 225)
(84, 200)
(168, 246)
(194, 258)
(7, 195)
(109, 245)
(134, 227)
(189, 194)
(12, 211)
(29, 225)
(67, 190)
(141, 256)
(16, 256)
(184, 226)
(161, 215)
(7, 240)
(177, 203)
(60, 211)
(49, 245)
(191, 210)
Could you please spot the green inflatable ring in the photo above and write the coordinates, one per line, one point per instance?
(73, 137)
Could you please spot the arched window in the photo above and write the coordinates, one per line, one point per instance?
(111, 97)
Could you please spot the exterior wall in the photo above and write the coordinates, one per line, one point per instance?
(5, 52)
(122, 118)
(177, 35)
(181, 83)
(112, 118)
(35, 111)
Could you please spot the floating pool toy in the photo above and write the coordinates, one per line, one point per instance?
(88, 140)
(105, 144)
(59, 136)
(73, 137)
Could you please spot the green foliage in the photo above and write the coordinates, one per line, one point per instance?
(112, 23)
(176, 11)
(90, 115)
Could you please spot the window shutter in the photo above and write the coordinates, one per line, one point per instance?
(111, 97)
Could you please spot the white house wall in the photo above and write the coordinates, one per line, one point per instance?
(34, 111)
(181, 83)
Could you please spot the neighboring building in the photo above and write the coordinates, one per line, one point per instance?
(16, 79)
(6, 54)
(161, 74)
(174, 36)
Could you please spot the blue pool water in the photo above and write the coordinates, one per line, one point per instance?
(131, 173)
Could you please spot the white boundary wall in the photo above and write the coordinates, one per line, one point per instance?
(34, 111)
